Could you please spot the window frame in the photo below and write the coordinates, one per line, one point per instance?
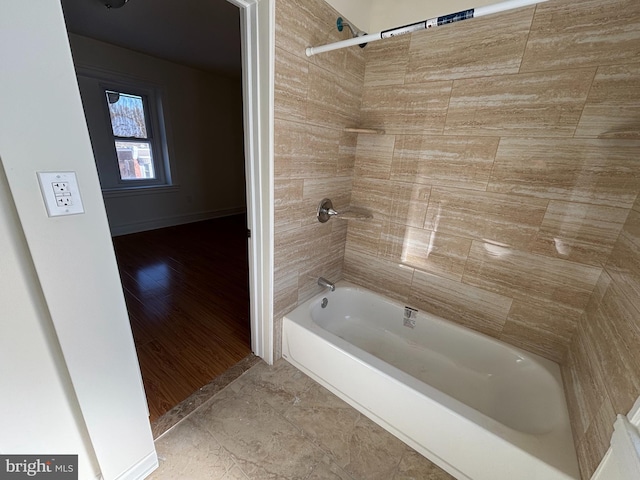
(101, 133)
(154, 124)
(148, 139)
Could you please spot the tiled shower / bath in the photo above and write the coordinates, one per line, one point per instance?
(503, 190)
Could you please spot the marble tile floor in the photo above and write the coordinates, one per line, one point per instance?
(274, 422)
(201, 396)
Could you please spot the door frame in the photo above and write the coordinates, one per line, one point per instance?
(257, 23)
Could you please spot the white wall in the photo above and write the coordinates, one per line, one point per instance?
(203, 111)
(39, 412)
(42, 128)
(356, 11)
(377, 15)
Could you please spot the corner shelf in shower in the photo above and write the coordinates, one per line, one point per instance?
(373, 131)
(355, 214)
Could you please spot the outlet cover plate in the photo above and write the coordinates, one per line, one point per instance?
(61, 193)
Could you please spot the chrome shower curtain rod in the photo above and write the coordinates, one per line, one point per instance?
(425, 24)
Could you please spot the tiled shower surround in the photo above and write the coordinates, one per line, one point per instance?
(503, 191)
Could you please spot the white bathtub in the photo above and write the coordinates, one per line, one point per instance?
(477, 407)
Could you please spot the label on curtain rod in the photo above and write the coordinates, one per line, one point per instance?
(456, 17)
(395, 32)
(432, 22)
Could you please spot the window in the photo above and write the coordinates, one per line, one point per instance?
(127, 132)
(131, 135)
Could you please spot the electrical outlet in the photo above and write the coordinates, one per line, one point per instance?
(61, 193)
(63, 201)
(60, 187)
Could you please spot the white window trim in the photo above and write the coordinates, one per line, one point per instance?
(154, 123)
(110, 181)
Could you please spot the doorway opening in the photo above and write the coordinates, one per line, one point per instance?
(187, 293)
(181, 245)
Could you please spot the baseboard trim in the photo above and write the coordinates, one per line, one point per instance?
(142, 469)
(117, 230)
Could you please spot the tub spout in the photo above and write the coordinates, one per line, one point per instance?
(323, 282)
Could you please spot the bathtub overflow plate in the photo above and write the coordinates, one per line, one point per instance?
(325, 302)
(410, 315)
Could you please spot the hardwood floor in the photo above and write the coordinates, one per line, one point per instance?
(187, 293)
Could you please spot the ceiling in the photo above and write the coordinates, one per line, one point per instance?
(203, 34)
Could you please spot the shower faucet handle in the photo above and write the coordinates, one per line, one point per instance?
(325, 210)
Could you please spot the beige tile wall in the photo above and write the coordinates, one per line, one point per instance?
(517, 149)
(516, 166)
(315, 98)
(502, 192)
(602, 367)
